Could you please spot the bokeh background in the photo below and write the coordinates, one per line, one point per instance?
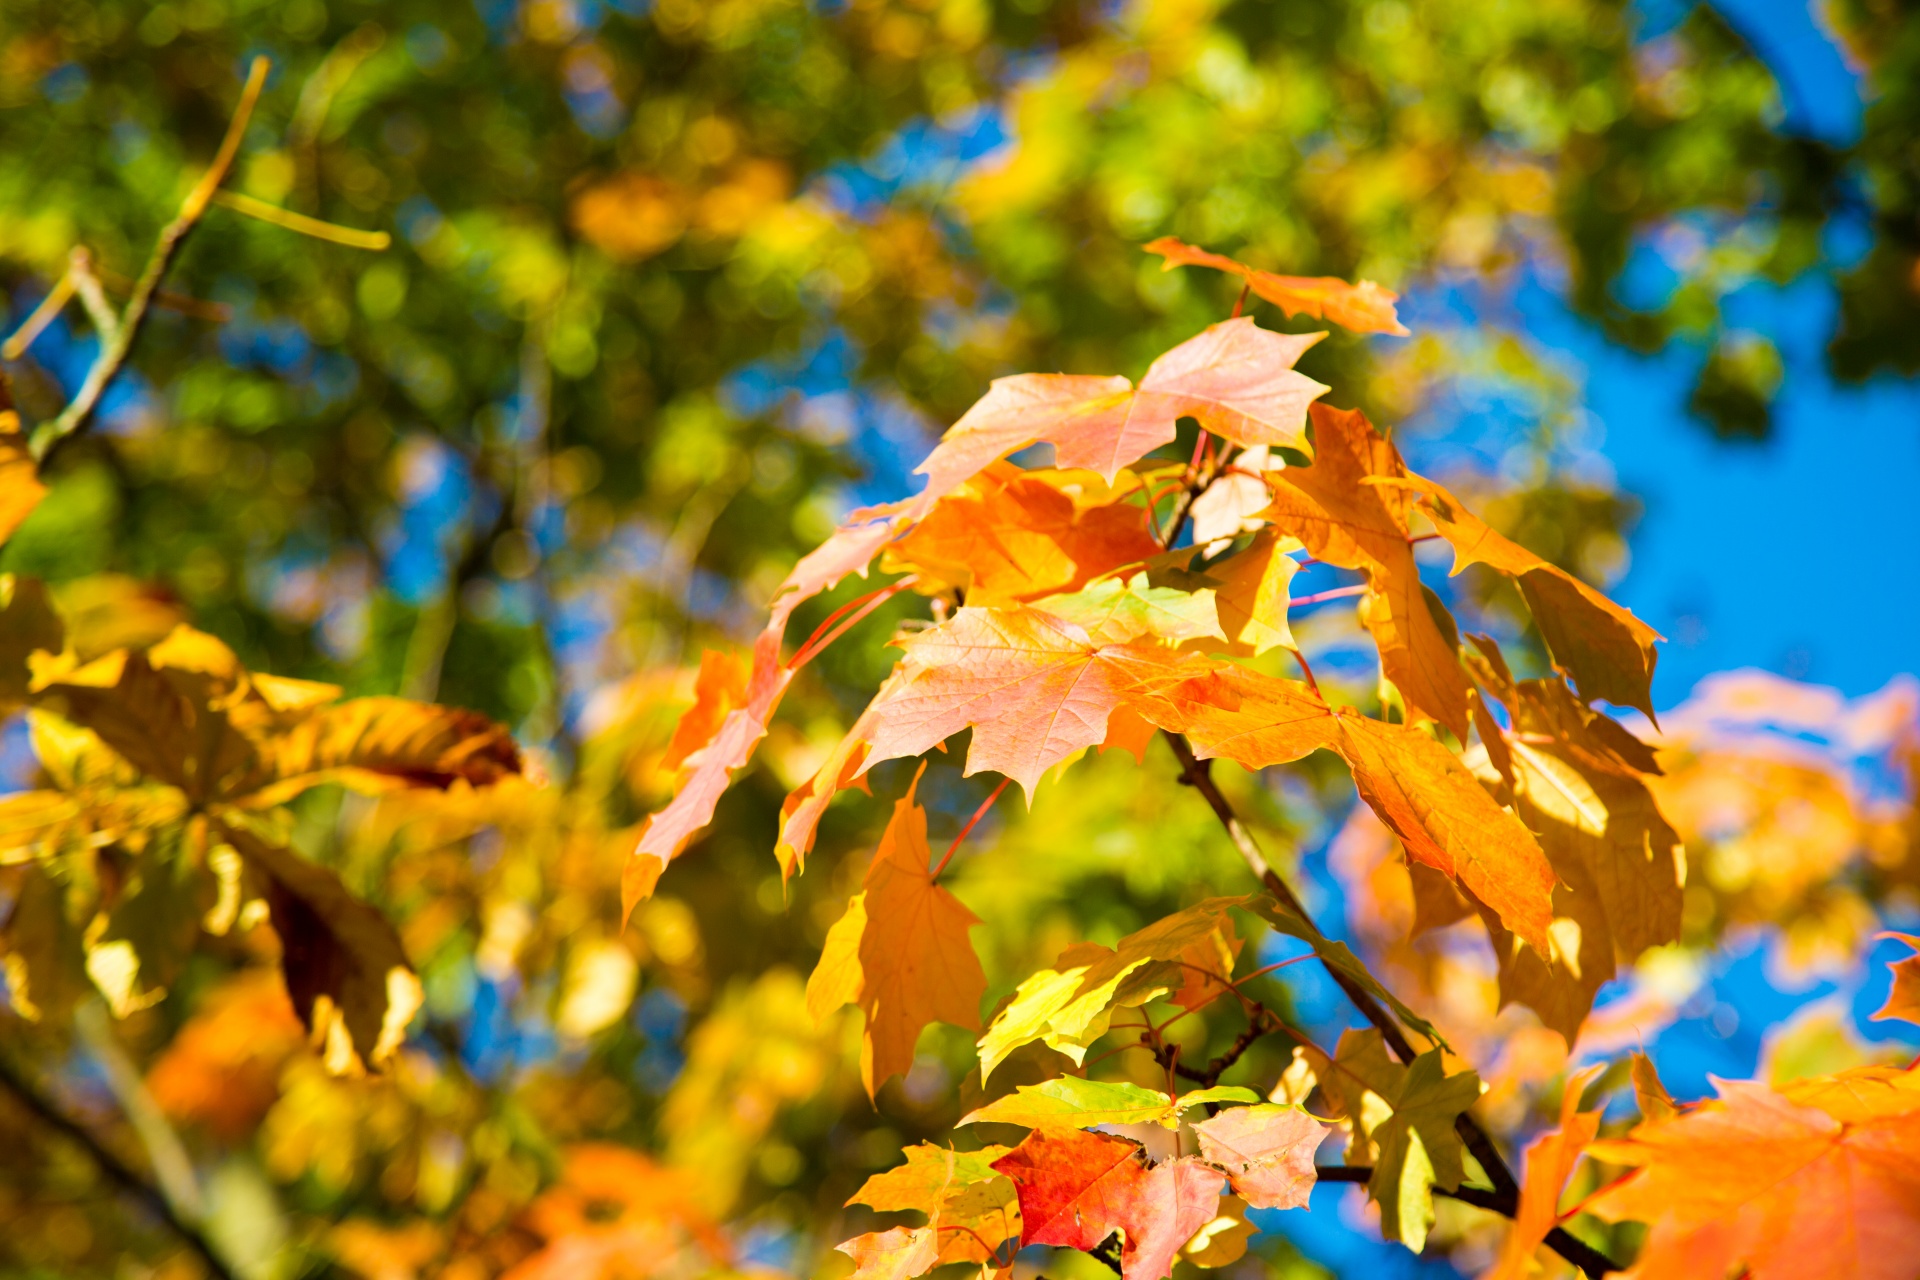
(676, 284)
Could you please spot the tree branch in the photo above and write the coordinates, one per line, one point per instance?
(116, 1170)
(1575, 1250)
(1196, 774)
(116, 342)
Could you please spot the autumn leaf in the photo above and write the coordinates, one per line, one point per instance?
(718, 688)
(1078, 1188)
(900, 952)
(1363, 307)
(28, 625)
(669, 831)
(1421, 791)
(1648, 1092)
(1549, 1163)
(1267, 1152)
(850, 549)
(1072, 1102)
(1252, 595)
(1337, 508)
(1223, 1241)
(1070, 1005)
(1607, 651)
(1236, 378)
(971, 1210)
(1616, 859)
(1903, 1001)
(377, 744)
(1405, 1116)
(344, 965)
(1009, 535)
(20, 487)
(1816, 1181)
(1034, 688)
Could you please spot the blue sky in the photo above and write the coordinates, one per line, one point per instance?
(1797, 555)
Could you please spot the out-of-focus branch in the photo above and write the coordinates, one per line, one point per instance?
(115, 345)
(116, 1169)
(171, 1167)
(1563, 1242)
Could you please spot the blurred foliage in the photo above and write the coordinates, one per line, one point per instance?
(674, 285)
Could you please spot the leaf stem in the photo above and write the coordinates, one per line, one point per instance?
(967, 830)
(817, 643)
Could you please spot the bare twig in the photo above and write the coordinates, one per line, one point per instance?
(116, 1170)
(115, 345)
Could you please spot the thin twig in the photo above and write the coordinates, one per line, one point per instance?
(115, 346)
(41, 316)
(1569, 1246)
(114, 1167)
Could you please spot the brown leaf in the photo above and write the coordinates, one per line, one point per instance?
(344, 965)
(1903, 1001)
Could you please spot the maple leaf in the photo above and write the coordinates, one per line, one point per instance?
(1363, 307)
(1816, 1181)
(1903, 1001)
(1236, 378)
(1252, 593)
(1607, 651)
(1034, 688)
(1008, 535)
(1336, 508)
(1223, 1241)
(1616, 859)
(28, 625)
(900, 952)
(1405, 1115)
(1421, 791)
(1070, 1004)
(850, 549)
(1549, 1163)
(718, 688)
(1072, 1102)
(20, 487)
(1078, 1188)
(1267, 1152)
(971, 1210)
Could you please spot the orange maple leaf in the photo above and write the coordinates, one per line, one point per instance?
(1607, 651)
(1549, 1163)
(1347, 521)
(900, 952)
(1236, 378)
(1819, 1180)
(1903, 1001)
(1363, 307)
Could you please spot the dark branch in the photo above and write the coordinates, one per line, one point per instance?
(1263, 1023)
(1196, 774)
(1575, 1250)
(116, 1170)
